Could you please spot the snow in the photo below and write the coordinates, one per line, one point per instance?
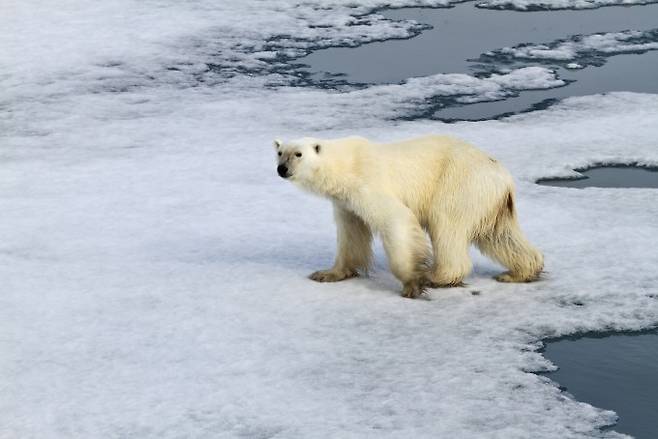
(586, 47)
(153, 264)
(143, 43)
(534, 5)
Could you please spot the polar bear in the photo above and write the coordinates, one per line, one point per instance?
(438, 185)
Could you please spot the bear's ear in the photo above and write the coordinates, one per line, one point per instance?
(317, 148)
(277, 143)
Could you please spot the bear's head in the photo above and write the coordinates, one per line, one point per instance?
(299, 160)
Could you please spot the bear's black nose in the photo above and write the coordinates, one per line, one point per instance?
(282, 170)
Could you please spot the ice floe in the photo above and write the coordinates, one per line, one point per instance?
(154, 265)
(585, 49)
(534, 5)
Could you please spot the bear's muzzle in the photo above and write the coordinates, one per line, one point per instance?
(282, 170)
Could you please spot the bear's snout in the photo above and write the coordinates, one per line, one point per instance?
(282, 170)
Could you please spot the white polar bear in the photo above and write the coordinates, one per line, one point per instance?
(435, 184)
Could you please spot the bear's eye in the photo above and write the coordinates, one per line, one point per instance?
(298, 154)
(279, 153)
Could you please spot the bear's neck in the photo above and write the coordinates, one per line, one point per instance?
(336, 182)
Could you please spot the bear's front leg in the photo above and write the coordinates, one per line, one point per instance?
(354, 251)
(412, 289)
(404, 241)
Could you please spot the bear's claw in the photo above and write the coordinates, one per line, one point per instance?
(332, 276)
(509, 277)
(412, 290)
(432, 284)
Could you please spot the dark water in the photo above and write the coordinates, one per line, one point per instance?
(461, 34)
(631, 72)
(610, 176)
(618, 373)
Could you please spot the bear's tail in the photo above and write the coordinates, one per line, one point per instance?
(507, 244)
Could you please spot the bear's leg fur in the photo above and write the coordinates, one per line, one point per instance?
(354, 250)
(507, 245)
(452, 262)
(404, 240)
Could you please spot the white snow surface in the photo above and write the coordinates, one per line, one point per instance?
(525, 5)
(609, 43)
(154, 266)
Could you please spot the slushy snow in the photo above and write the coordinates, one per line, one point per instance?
(154, 265)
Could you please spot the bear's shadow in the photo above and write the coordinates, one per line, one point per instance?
(302, 257)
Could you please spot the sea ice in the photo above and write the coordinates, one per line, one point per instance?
(154, 265)
(586, 49)
(533, 5)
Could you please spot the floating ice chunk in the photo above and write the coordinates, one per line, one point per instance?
(585, 49)
(416, 95)
(530, 5)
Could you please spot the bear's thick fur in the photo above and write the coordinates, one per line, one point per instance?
(435, 184)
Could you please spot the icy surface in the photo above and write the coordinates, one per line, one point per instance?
(586, 49)
(153, 265)
(136, 43)
(533, 5)
(414, 95)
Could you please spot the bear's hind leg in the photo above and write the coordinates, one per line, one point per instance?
(354, 251)
(507, 245)
(452, 262)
